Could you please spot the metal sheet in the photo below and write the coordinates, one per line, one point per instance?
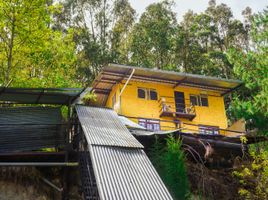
(102, 126)
(130, 124)
(126, 174)
(30, 115)
(140, 132)
(62, 96)
(30, 128)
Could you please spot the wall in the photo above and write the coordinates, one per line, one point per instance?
(131, 105)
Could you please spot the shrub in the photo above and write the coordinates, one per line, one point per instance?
(169, 161)
(253, 176)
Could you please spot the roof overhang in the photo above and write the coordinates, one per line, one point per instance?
(115, 73)
(58, 96)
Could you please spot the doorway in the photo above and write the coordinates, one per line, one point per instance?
(179, 102)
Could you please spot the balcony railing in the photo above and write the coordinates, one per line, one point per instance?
(169, 108)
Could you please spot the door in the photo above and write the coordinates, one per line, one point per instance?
(179, 102)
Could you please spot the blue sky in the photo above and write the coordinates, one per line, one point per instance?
(183, 6)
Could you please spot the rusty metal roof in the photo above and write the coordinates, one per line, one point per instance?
(103, 127)
(114, 73)
(126, 174)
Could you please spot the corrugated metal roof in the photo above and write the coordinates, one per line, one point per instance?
(30, 128)
(126, 174)
(128, 123)
(30, 115)
(114, 73)
(62, 96)
(102, 126)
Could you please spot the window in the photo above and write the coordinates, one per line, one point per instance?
(153, 94)
(199, 100)
(149, 94)
(194, 100)
(204, 100)
(209, 130)
(150, 124)
(141, 93)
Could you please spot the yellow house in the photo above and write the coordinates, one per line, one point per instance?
(165, 100)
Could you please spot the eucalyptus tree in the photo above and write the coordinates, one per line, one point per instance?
(152, 38)
(101, 32)
(204, 38)
(228, 33)
(252, 67)
(31, 52)
(124, 19)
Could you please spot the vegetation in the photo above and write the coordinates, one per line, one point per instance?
(253, 176)
(32, 52)
(169, 161)
(49, 43)
(252, 67)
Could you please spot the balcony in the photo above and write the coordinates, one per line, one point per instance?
(168, 108)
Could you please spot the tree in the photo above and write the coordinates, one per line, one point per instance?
(252, 67)
(192, 43)
(203, 40)
(101, 32)
(169, 161)
(123, 23)
(152, 37)
(31, 52)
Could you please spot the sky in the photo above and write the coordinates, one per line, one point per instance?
(182, 6)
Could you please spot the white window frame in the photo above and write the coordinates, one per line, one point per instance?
(150, 124)
(198, 99)
(147, 93)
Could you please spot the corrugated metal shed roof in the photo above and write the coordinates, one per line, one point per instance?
(62, 96)
(121, 168)
(30, 128)
(114, 73)
(30, 115)
(126, 174)
(102, 126)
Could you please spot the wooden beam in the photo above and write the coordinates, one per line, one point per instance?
(231, 90)
(179, 82)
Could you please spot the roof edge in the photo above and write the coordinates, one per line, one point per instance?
(174, 73)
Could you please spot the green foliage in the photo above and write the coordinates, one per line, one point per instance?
(169, 160)
(253, 177)
(32, 53)
(252, 68)
(203, 40)
(89, 98)
(152, 36)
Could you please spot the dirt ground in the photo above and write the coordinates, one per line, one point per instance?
(213, 184)
(25, 183)
(14, 191)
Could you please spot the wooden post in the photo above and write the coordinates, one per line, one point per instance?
(65, 169)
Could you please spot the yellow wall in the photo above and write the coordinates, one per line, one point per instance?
(131, 105)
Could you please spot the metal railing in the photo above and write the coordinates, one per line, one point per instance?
(168, 105)
(195, 129)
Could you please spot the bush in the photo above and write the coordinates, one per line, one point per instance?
(253, 176)
(169, 161)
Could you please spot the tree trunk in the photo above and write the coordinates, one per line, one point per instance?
(10, 50)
